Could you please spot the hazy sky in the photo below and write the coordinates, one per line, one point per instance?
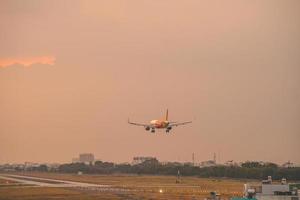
(72, 72)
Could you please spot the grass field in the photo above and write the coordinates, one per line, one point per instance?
(32, 193)
(141, 187)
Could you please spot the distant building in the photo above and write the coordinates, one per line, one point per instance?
(86, 158)
(231, 163)
(274, 191)
(288, 164)
(139, 160)
(208, 163)
(52, 166)
(31, 164)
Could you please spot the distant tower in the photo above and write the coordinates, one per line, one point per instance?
(215, 158)
(193, 159)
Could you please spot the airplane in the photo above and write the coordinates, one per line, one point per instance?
(160, 124)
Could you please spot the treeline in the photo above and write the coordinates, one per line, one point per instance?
(249, 170)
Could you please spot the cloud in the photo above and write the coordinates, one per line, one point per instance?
(27, 61)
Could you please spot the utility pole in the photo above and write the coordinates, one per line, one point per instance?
(178, 177)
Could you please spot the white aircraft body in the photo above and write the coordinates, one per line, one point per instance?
(160, 124)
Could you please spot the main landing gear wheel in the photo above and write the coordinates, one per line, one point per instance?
(153, 130)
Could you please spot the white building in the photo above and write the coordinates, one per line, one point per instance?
(272, 191)
(138, 160)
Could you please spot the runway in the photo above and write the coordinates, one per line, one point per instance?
(45, 182)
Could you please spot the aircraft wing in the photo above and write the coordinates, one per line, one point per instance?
(179, 123)
(138, 124)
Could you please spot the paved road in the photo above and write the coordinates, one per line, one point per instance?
(45, 182)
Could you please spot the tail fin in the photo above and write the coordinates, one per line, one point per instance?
(167, 115)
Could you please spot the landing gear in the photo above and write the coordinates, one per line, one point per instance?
(153, 130)
(168, 129)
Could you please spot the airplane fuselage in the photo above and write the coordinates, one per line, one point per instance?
(159, 123)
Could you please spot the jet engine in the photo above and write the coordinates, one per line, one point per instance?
(147, 128)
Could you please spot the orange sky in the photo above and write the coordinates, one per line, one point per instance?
(230, 66)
